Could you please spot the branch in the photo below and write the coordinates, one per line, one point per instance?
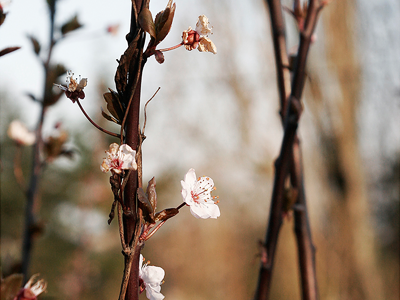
(290, 155)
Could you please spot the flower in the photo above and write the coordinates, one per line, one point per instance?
(198, 38)
(197, 194)
(18, 132)
(29, 292)
(74, 90)
(150, 278)
(119, 158)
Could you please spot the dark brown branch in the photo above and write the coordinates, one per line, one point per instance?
(36, 161)
(306, 249)
(131, 92)
(290, 156)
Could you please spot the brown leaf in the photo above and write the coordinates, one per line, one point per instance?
(108, 117)
(35, 44)
(151, 193)
(164, 21)
(114, 106)
(71, 25)
(8, 50)
(146, 22)
(145, 205)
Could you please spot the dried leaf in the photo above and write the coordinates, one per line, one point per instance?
(114, 106)
(2, 15)
(71, 25)
(145, 205)
(164, 21)
(151, 193)
(35, 44)
(108, 117)
(129, 57)
(8, 50)
(146, 22)
(166, 214)
(10, 286)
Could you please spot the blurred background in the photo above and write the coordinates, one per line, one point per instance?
(219, 115)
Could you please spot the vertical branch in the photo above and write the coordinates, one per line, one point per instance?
(36, 161)
(290, 156)
(131, 93)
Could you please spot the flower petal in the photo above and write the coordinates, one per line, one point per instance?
(206, 45)
(190, 177)
(202, 26)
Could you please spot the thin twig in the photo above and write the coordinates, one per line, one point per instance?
(171, 48)
(154, 230)
(94, 124)
(145, 110)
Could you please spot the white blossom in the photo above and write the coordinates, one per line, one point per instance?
(119, 158)
(197, 194)
(151, 278)
(18, 132)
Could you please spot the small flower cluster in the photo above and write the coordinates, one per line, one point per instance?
(74, 88)
(119, 158)
(150, 279)
(30, 291)
(198, 38)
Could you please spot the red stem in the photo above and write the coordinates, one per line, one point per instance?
(94, 124)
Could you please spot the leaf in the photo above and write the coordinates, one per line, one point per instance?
(8, 50)
(114, 106)
(10, 286)
(2, 15)
(166, 214)
(108, 117)
(32, 97)
(164, 21)
(71, 25)
(145, 205)
(151, 193)
(146, 22)
(35, 44)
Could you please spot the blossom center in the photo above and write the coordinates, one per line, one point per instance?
(116, 164)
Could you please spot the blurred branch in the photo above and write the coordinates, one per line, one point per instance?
(36, 161)
(290, 155)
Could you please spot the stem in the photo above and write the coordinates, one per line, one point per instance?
(181, 205)
(94, 124)
(171, 48)
(31, 197)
